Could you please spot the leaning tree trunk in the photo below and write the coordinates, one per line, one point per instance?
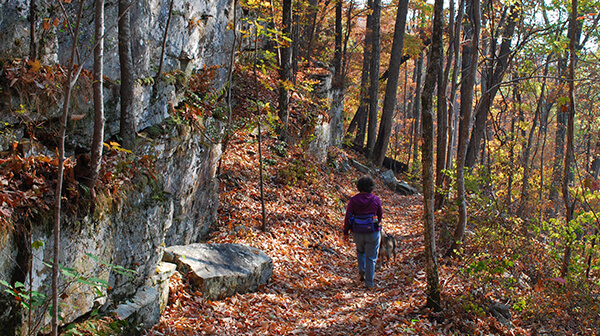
(433, 68)
(469, 69)
(391, 90)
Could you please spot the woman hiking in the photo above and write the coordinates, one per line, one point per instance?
(363, 218)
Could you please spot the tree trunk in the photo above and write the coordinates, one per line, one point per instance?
(452, 121)
(374, 78)
(442, 115)
(569, 156)
(32, 20)
(417, 112)
(258, 121)
(99, 120)
(313, 10)
(363, 108)
(296, 38)
(469, 69)
(70, 81)
(544, 133)
(559, 150)
(511, 158)
(316, 30)
(284, 73)
(433, 68)
(128, 128)
(231, 68)
(496, 73)
(337, 104)
(165, 35)
(391, 90)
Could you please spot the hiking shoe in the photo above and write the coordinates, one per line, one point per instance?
(361, 276)
(371, 287)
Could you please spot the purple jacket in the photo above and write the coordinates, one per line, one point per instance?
(362, 204)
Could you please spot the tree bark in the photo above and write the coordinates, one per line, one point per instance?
(416, 112)
(295, 37)
(284, 73)
(128, 128)
(99, 119)
(337, 104)
(363, 108)
(433, 68)
(313, 10)
(443, 116)
(68, 90)
(258, 121)
(374, 78)
(165, 35)
(32, 40)
(569, 156)
(391, 90)
(469, 69)
(452, 120)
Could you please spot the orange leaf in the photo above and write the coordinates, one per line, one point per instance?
(35, 65)
(56, 22)
(46, 24)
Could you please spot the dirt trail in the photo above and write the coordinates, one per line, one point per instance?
(313, 289)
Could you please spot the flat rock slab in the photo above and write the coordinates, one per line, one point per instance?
(221, 270)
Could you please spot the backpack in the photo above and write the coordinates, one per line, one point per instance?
(364, 223)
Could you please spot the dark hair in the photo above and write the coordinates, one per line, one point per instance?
(365, 184)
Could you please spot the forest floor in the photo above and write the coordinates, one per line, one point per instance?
(314, 288)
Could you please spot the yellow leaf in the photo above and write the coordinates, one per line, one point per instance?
(35, 65)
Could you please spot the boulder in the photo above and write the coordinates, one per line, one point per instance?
(361, 167)
(398, 186)
(221, 270)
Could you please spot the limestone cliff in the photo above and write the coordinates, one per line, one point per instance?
(173, 206)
